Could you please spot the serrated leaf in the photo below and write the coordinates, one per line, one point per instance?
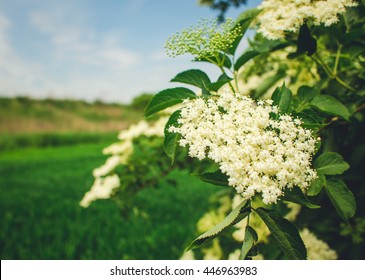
(244, 58)
(171, 139)
(285, 234)
(282, 98)
(244, 20)
(193, 77)
(168, 98)
(330, 163)
(310, 119)
(296, 195)
(331, 106)
(317, 185)
(250, 239)
(239, 213)
(222, 80)
(341, 197)
(215, 178)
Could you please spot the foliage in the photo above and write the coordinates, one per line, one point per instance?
(311, 80)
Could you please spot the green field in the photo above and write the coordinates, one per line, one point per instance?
(41, 219)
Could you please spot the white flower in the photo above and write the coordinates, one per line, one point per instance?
(317, 249)
(120, 153)
(279, 16)
(259, 154)
(101, 189)
(107, 167)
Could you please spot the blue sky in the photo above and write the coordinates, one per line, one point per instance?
(110, 50)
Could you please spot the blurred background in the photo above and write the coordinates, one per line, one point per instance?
(72, 75)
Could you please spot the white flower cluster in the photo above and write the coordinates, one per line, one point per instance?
(259, 154)
(104, 183)
(101, 189)
(279, 16)
(316, 248)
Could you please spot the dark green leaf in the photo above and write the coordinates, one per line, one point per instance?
(310, 119)
(331, 106)
(244, 58)
(167, 98)
(296, 195)
(222, 80)
(341, 197)
(215, 178)
(282, 99)
(306, 43)
(239, 213)
(285, 234)
(171, 139)
(193, 77)
(331, 163)
(317, 185)
(250, 239)
(244, 20)
(306, 94)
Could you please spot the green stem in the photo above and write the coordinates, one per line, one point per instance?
(337, 60)
(230, 84)
(318, 59)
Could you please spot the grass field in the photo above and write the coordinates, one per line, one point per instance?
(24, 115)
(41, 219)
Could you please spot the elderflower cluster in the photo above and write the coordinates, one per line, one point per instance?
(204, 40)
(258, 153)
(102, 188)
(279, 16)
(316, 248)
(120, 152)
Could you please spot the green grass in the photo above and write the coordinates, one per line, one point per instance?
(41, 219)
(16, 141)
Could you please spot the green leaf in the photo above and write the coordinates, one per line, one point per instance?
(341, 197)
(311, 119)
(331, 106)
(239, 213)
(285, 234)
(244, 20)
(331, 163)
(306, 43)
(244, 58)
(317, 185)
(250, 239)
(215, 178)
(171, 139)
(282, 98)
(168, 98)
(305, 94)
(193, 77)
(222, 80)
(296, 195)
(263, 87)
